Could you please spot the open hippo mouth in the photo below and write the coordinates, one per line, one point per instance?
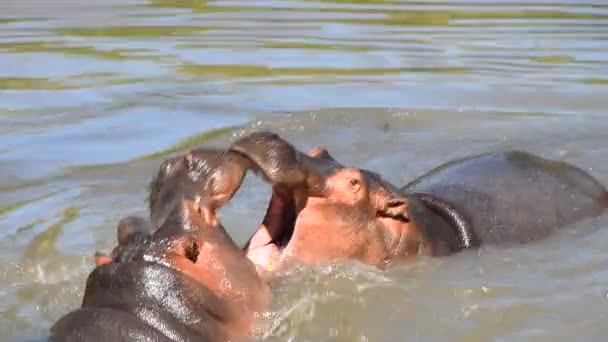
(303, 183)
(278, 226)
(295, 178)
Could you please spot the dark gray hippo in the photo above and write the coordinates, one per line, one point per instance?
(184, 281)
(502, 198)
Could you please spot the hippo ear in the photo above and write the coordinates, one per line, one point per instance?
(131, 225)
(320, 152)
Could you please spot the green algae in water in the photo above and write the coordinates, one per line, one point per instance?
(191, 142)
(43, 244)
(311, 46)
(29, 226)
(41, 253)
(101, 79)
(19, 20)
(553, 59)
(262, 71)
(17, 205)
(195, 5)
(596, 81)
(5, 111)
(444, 18)
(183, 145)
(60, 48)
(73, 82)
(30, 83)
(131, 31)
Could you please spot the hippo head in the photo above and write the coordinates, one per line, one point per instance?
(208, 176)
(189, 243)
(205, 178)
(321, 211)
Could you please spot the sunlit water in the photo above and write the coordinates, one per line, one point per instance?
(93, 94)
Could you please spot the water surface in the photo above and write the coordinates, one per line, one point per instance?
(94, 94)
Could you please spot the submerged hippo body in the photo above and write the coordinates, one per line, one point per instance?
(144, 301)
(502, 198)
(186, 280)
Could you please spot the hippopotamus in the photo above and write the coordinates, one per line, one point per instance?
(180, 277)
(321, 211)
(344, 213)
(186, 280)
(502, 198)
(218, 174)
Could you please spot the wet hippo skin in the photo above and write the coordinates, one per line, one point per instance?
(186, 280)
(179, 276)
(328, 212)
(502, 198)
(164, 279)
(499, 198)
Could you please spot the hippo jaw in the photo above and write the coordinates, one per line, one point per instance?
(277, 243)
(266, 246)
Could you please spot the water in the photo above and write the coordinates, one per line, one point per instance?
(93, 94)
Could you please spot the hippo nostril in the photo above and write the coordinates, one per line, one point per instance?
(396, 208)
(192, 251)
(396, 202)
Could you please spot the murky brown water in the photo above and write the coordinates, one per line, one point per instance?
(94, 93)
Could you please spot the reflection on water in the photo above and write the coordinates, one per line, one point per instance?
(94, 94)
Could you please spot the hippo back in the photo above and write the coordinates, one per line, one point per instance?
(144, 301)
(513, 196)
